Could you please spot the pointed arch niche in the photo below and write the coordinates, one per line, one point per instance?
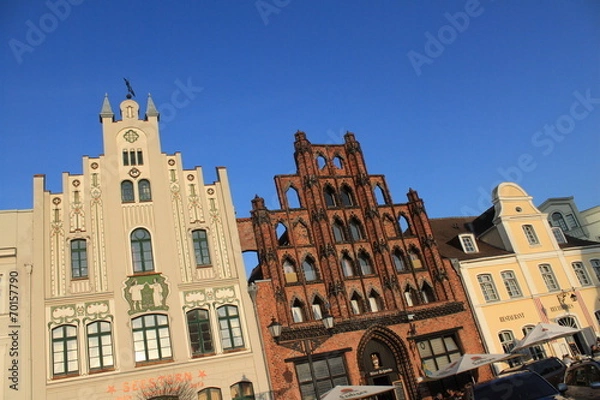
(293, 198)
(383, 358)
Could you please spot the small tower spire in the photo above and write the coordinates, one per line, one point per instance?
(106, 111)
(151, 110)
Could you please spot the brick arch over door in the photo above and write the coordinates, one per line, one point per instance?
(396, 346)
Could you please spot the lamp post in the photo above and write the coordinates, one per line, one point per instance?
(306, 346)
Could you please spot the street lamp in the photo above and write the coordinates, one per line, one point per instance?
(305, 346)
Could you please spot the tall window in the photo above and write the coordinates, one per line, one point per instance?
(596, 267)
(100, 345)
(559, 235)
(298, 311)
(338, 232)
(559, 221)
(317, 308)
(141, 251)
(347, 267)
(242, 391)
(210, 394)
(329, 194)
(310, 272)
(198, 322)
(151, 339)
(530, 234)
(427, 293)
(357, 304)
(144, 190)
(486, 283)
(289, 270)
(65, 359)
(548, 277)
(375, 301)
(347, 198)
(415, 259)
(230, 327)
(127, 192)
(398, 260)
(537, 352)
(438, 352)
(571, 221)
(410, 294)
(79, 264)
(355, 229)
(200, 240)
(511, 284)
(507, 340)
(293, 199)
(365, 264)
(331, 373)
(581, 273)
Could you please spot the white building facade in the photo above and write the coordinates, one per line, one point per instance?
(140, 289)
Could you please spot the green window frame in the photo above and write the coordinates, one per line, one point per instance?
(65, 352)
(141, 251)
(198, 321)
(79, 260)
(100, 345)
(127, 195)
(230, 327)
(201, 250)
(151, 338)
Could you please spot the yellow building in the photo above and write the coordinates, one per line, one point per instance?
(139, 282)
(518, 271)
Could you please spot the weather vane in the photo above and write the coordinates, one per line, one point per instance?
(130, 92)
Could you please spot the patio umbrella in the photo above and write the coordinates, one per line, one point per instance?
(467, 362)
(354, 392)
(543, 333)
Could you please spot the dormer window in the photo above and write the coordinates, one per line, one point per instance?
(559, 235)
(530, 234)
(468, 243)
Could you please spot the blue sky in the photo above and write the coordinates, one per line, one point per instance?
(446, 97)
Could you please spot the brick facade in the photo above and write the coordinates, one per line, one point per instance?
(393, 294)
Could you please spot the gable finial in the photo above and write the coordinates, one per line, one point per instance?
(130, 92)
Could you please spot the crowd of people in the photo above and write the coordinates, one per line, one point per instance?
(450, 395)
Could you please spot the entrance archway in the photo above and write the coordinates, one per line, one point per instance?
(383, 360)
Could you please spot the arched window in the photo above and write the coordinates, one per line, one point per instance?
(507, 340)
(151, 338)
(293, 199)
(337, 161)
(100, 345)
(321, 161)
(65, 355)
(596, 267)
(581, 273)
(537, 352)
(488, 288)
(230, 327)
(310, 272)
(365, 264)
(211, 393)
(347, 197)
(511, 284)
(398, 259)
(410, 294)
(329, 194)
(558, 220)
(198, 323)
(281, 231)
(318, 308)
(144, 190)
(141, 251)
(347, 266)
(79, 265)
(568, 321)
(200, 240)
(404, 226)
(242, 391)
(289, 271)
(415, 259)
(549, 277)
(379, 195)
(427, 294)
(298, 314)
(338, 231)
(355, 229)
(375, 301)
(127, 195)
(357, 304)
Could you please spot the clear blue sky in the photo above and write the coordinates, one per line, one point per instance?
(446, 97)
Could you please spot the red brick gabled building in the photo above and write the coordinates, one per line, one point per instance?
(340, 247)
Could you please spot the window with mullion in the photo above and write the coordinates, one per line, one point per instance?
(511, 284)
(200, 333)
(581, 273)
(127, 195)
(65, 357)
(329, 372)
(548, 277)
(438, 352)
(230, 327)
(530, 234)
(210, 394)
(151, 339)
(79, 264)
(100, 345)
(201, 251)
(596, 267)
(486, 283)
(141, 251)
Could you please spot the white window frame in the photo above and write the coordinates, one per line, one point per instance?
(549, 278)
(467, 241)
(511, 284)
(581, 272)
(530, 234)
(488, 288)
(559, 235)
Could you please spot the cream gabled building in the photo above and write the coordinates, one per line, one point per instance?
(140, 288)
(518, 271)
